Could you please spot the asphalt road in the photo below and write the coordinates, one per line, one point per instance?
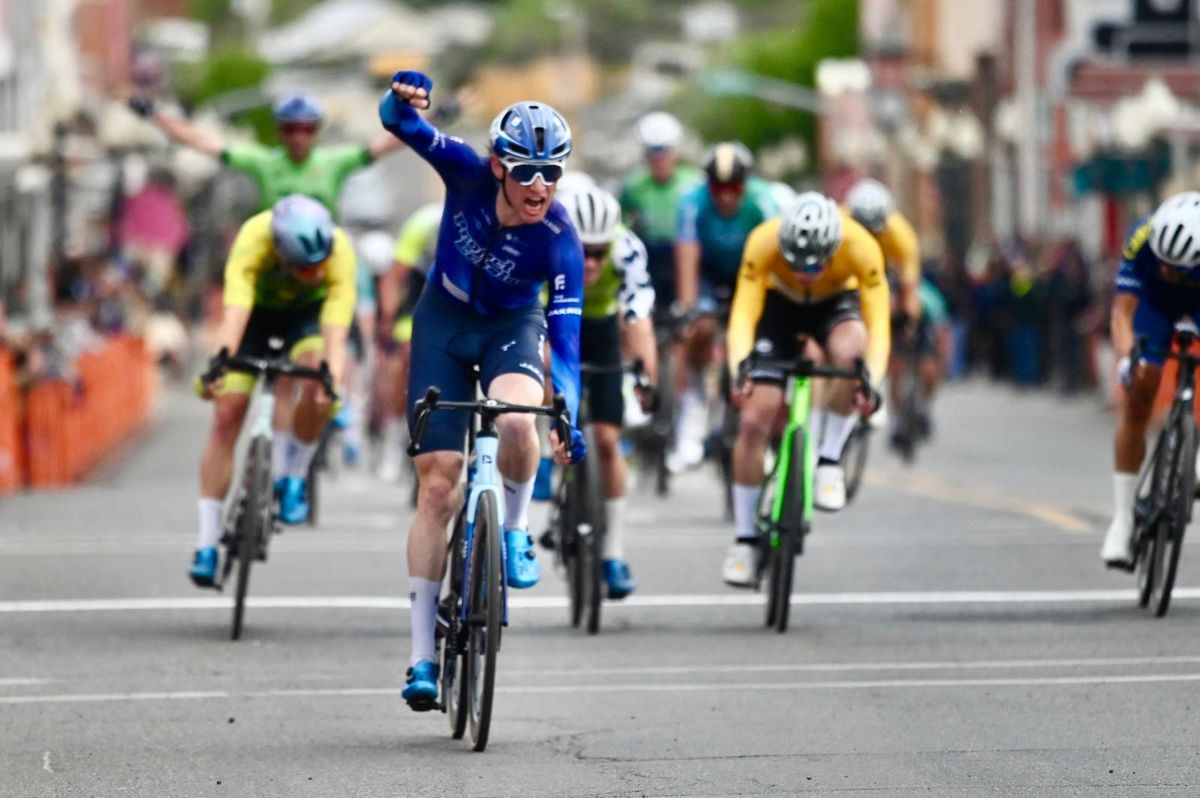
(954, 634)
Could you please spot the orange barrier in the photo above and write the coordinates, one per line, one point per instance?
(72, 426)
(11, 449)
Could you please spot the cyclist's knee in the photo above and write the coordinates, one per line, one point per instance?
(608, 441)
(228, 412)
(515, 428)
(438, 474)
(757, 417)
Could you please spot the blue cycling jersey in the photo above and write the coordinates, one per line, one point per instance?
(722, 238)
(1165, 293)
(490, 268)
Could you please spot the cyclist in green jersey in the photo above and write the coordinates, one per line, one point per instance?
(650, 198)
(617, 302)
(298, 166)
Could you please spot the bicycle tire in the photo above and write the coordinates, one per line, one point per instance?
(1169, 540)
(313, 478)
(855, 457)
(568, 519)
(793, 529)
(1147, 508)
(454, 683)
(250, 532)
(485, 598)
(592, 543)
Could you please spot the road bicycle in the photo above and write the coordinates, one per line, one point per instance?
(786, 506)
(251, 515)
(474, 608)
(578, 522)
(1167, 483)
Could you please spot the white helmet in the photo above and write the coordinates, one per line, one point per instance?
(870, 203)
(1175, 230)
(660, 130)
(811, 231)
(374, 250)
(595, 214)
(573, 181)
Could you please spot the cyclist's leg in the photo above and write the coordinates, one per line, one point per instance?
(439, 468)
(398, 351)
(511, 370)
(844, 342)
(1154, 326)
(692, 358)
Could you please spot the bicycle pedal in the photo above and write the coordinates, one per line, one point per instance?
(546, 540)
(1122, 565)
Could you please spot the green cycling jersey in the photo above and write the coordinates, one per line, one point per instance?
(650, 208)
(320, 176)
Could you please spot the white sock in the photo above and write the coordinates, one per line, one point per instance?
(838, 429)
(301, 458)
(614, 535)
(210, 522)
(745, 511)
(517, 496)
(281, 453)
(423, 593)
(1124, 486)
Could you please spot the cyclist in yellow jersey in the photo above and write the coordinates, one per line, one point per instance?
(815, 272)
(870, 203)
(290, 275)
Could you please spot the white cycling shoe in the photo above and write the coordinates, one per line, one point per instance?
(740, 566)
(1117, 551)
(829, 488)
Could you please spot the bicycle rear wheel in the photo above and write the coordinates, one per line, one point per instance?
(454, 681)
(253, 525)
(1168, 539)
(855, 458)
(567, 521)
(485, 597)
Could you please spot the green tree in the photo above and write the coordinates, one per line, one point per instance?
(227, 70)
(828, 30)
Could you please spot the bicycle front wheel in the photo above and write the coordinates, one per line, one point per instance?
(253, 525)
(1168, 539)
(485, 599)
(855, 458)
(591, 538)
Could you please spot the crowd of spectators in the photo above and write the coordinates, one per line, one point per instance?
(1026, 313)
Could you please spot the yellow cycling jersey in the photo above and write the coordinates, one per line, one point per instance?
(254, 276)
(900, 249)
(857, 264)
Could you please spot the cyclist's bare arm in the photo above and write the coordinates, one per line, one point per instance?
(233, 326)
(335, 351)
(182, 131)
(639, 343)
(1124, 306)
(383, 144)
(392, 288)
(687, 273)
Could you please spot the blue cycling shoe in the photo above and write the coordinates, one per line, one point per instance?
(523, 568)
(421, 687)
(616, 576)
(293, 501)
(543, 490)
(204, 567)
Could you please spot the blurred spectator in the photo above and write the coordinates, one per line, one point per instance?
(1068, 299)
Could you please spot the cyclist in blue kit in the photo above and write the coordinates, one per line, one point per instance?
(502, 237)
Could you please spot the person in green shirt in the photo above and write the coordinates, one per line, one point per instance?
(297, 166)
(650, 198)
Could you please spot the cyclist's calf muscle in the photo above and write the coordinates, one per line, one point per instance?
(758, 414)
(439, 494)
(216, 464)
(1135, 417)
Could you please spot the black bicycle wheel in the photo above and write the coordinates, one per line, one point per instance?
(313, 480)
(855, 458)
(1173, 523)
(791, 533)
(485, 598)
(253, 525)
(454, 683)
(593, 526)
(663, 424)
(568, 519)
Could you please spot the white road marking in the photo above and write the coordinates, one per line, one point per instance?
(560, 602)
(22, 682)
(836, 667)
(676, 687)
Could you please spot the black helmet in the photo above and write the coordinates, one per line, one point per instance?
(729, 162)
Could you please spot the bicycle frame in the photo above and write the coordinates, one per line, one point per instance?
(483, 476)
(800, 390)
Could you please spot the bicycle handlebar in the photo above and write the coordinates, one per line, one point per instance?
(489, 408)
(224, 362)
(805, 367)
